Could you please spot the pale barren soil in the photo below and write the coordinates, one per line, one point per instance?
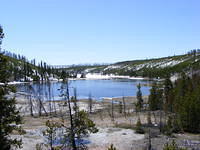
(117, 130)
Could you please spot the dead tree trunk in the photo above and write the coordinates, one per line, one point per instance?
(30, 90)
(31, 105)
(90, 103)
(49, 95)
(124, 104)
(112, 111)
(41, 107)
(149, 142)
(71, 118)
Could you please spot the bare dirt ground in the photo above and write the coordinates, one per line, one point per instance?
(117, 129)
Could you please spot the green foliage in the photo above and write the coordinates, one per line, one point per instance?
(63, 75)
(173, 125)
(80, 124)
(177, 127)
(155, 97)
(36, 78)
(172, 146)
(186, 62)
(189, 112)
(9, 115)
(167, 129)
(139, 98)
(168, 94)
(83, 125)
(138, 128)
(1, 34)
(50, 132)
(182, 99)
(112, 147)
(187, 102)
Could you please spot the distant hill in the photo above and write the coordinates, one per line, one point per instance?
(152, 68)
(21, 69)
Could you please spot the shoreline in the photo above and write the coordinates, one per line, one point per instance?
(98, 77)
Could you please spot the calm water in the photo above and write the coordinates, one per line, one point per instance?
(97, 88)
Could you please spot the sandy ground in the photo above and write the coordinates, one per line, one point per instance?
(117, 130)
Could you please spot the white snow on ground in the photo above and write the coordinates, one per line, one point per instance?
(150, 64)
(174, 77)
(16, 82)
(53, 79)
(89, 69)
(171, 63)
(113, 67)
(96, 76)
(13, 83)
(136, 78)
(111, 76)
(89, 76)
(78, 76)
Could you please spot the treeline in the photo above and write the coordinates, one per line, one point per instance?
(191, 61)
(21, 69)
(180, 101)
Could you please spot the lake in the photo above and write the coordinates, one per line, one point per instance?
(98, 89)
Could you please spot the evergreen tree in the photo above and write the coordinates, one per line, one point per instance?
(9, 115)
(139, 97)
(139, 128)
(51, 132)
(155, 97)
(80, 124)
(185, 99)
(168, 94)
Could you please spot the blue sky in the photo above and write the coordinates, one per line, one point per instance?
(90, 31)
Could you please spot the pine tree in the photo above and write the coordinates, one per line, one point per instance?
(168, 94)
(9, 115)
(50, 132)
(139, 128)
(154, 97)
(80, 124)
(139, 98)
(186, 103)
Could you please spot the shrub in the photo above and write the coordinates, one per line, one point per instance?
(139, 128)
(112, 147)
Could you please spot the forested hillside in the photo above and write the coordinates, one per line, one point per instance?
(157, 67)
(21, 69)
(152, 68)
